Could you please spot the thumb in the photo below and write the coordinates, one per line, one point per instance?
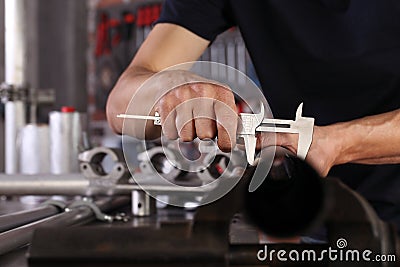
(286, 140)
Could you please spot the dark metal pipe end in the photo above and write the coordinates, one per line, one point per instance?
(291, 199)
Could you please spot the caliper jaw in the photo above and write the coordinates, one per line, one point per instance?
(252, 123)
(249, 124)
(305, 127)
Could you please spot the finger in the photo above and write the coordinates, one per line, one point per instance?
(265, 139)
(227, 118)
(287, 140)
(204, 118)
(184, 122)
(166, 109)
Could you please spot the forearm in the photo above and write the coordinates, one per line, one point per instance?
(370, 140)
(178, 46)
(118, 102)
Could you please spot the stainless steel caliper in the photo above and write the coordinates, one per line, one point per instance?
(251, 124)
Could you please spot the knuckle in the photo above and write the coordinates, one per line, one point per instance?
(228, 125)
(183, 92)
(170, 135)
(199, 87)
(161, 108)
(164, 105)
(166, 109)
(225, 141)
(167, 97)
(186, 134)
(203, 89)
(224, 146)
(186, 137)
(206, 134)
(225, 92)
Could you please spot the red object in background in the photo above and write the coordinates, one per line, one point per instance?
(240, 107)
(109, 34)
(116, 39)
(155, 13)
(67, 109)
(219, 169)
(103, 39)
(114, 23)
(108, 3)
(129, 18)
(147, 16)
(140, 17)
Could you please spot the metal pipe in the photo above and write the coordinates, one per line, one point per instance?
(15, 42)
(13, 220)
(14, 121)
(290, 201)
(46, 184)
(15, 62)
(21, 236)
(77, 184)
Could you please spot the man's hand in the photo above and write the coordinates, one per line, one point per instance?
(369, 140)
(203, 109)
(323, 151)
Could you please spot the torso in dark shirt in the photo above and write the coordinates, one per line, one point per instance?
(340, 57)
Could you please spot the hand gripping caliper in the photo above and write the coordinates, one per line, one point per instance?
(253, 123)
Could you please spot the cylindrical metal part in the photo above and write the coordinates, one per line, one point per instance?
(14, 121)
(142, 204)
(290, 201)
(77, 184)
(65, 138)
(10, 221)
(35, 149)
(15, 56)
(15, 42)
(21, 236)
(43, 184)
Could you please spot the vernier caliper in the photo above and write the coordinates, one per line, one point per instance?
(253, 123)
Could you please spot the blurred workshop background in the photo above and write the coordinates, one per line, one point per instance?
(77, 49)
(59, 62)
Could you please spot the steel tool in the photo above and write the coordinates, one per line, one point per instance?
(250, 124)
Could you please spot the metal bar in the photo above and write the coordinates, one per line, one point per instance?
(15, 42)
(156, 119)
(278, 121)
(21, 236)
(68, 184)
(15, 57)
(77, 184)
(14, 121)
(276, 129)
(13, 220)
